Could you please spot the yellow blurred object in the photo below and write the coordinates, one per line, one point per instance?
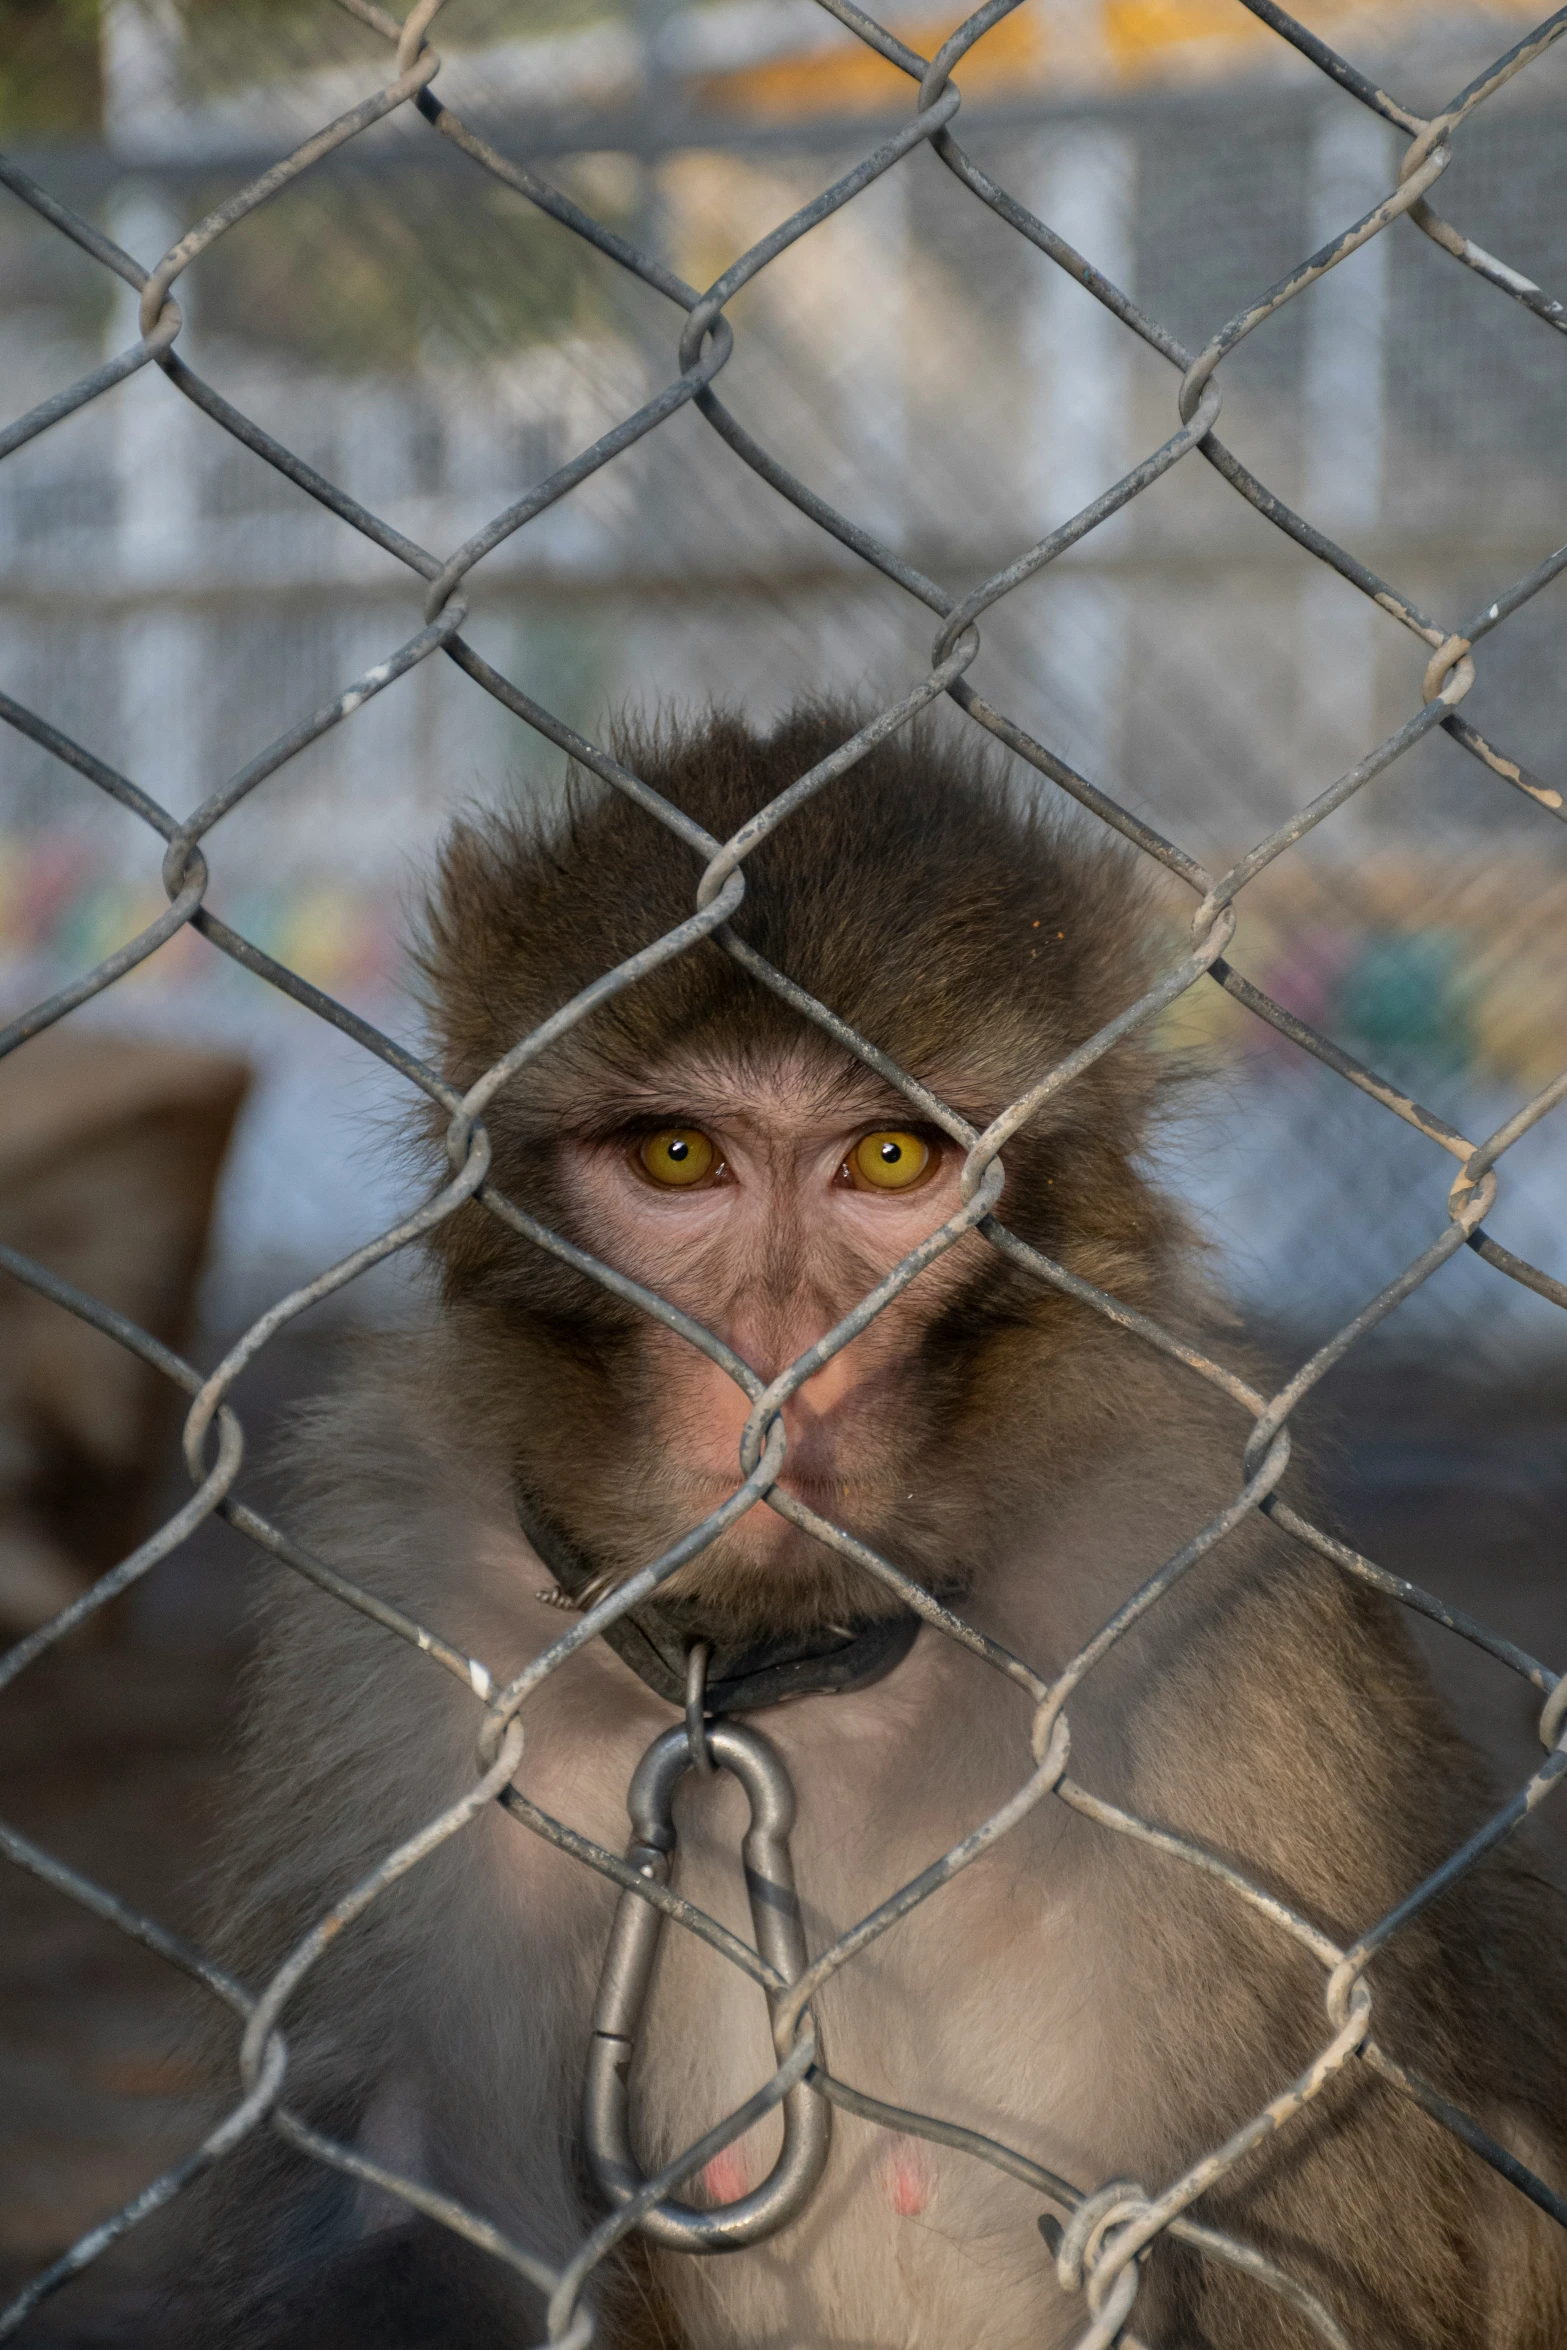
(327, 936)
(1519, 1018)
(1140, 32)
(857, 81)
(1075, 44)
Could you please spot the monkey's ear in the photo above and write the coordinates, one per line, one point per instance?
(471, 941)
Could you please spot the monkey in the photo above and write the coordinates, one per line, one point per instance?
(1083, 1996)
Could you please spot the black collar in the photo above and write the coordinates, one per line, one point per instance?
(656, 1639)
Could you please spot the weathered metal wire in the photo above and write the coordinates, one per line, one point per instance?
(1109, 2226)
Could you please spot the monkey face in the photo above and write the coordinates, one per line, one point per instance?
(767, 1211)
(700, 1136)
(765, 1201)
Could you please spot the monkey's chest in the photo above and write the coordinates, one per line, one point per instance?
(976, 2009)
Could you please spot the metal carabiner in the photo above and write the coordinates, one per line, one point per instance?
(628, 1971)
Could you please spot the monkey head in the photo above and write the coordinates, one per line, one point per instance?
(703, 1137)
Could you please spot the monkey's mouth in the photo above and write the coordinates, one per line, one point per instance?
(834, 1496)
(870, 1507)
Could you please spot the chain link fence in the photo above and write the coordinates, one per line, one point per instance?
(426, 340)
(1105, 2227)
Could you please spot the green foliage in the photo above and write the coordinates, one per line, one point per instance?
(49, 77)
(228, 43)
(344, 277)
(51, 83)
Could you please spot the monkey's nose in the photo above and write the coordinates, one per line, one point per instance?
(823, 1390)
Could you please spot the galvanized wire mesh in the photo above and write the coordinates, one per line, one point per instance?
(1108, 2226)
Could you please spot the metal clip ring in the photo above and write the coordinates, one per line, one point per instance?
(628, 1971)
(696, 1709)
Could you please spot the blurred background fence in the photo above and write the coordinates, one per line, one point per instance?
(434, 344)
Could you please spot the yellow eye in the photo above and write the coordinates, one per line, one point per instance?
(677, 1156)
(890, 1160)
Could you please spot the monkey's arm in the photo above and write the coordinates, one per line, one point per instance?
(1278, 1716)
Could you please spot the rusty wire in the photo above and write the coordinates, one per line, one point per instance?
(1096, 2251)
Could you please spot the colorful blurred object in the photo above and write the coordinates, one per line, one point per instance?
(1404, 997)
(1425, 971)
(62, 909)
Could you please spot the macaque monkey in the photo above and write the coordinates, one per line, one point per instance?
(1103, 2007)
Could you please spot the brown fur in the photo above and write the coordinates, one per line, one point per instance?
(1092, 2001)
(920, 898)
(970, 935)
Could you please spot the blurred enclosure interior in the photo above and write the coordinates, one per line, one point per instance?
(436, 346)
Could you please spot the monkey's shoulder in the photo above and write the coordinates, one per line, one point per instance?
(384, 1425)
